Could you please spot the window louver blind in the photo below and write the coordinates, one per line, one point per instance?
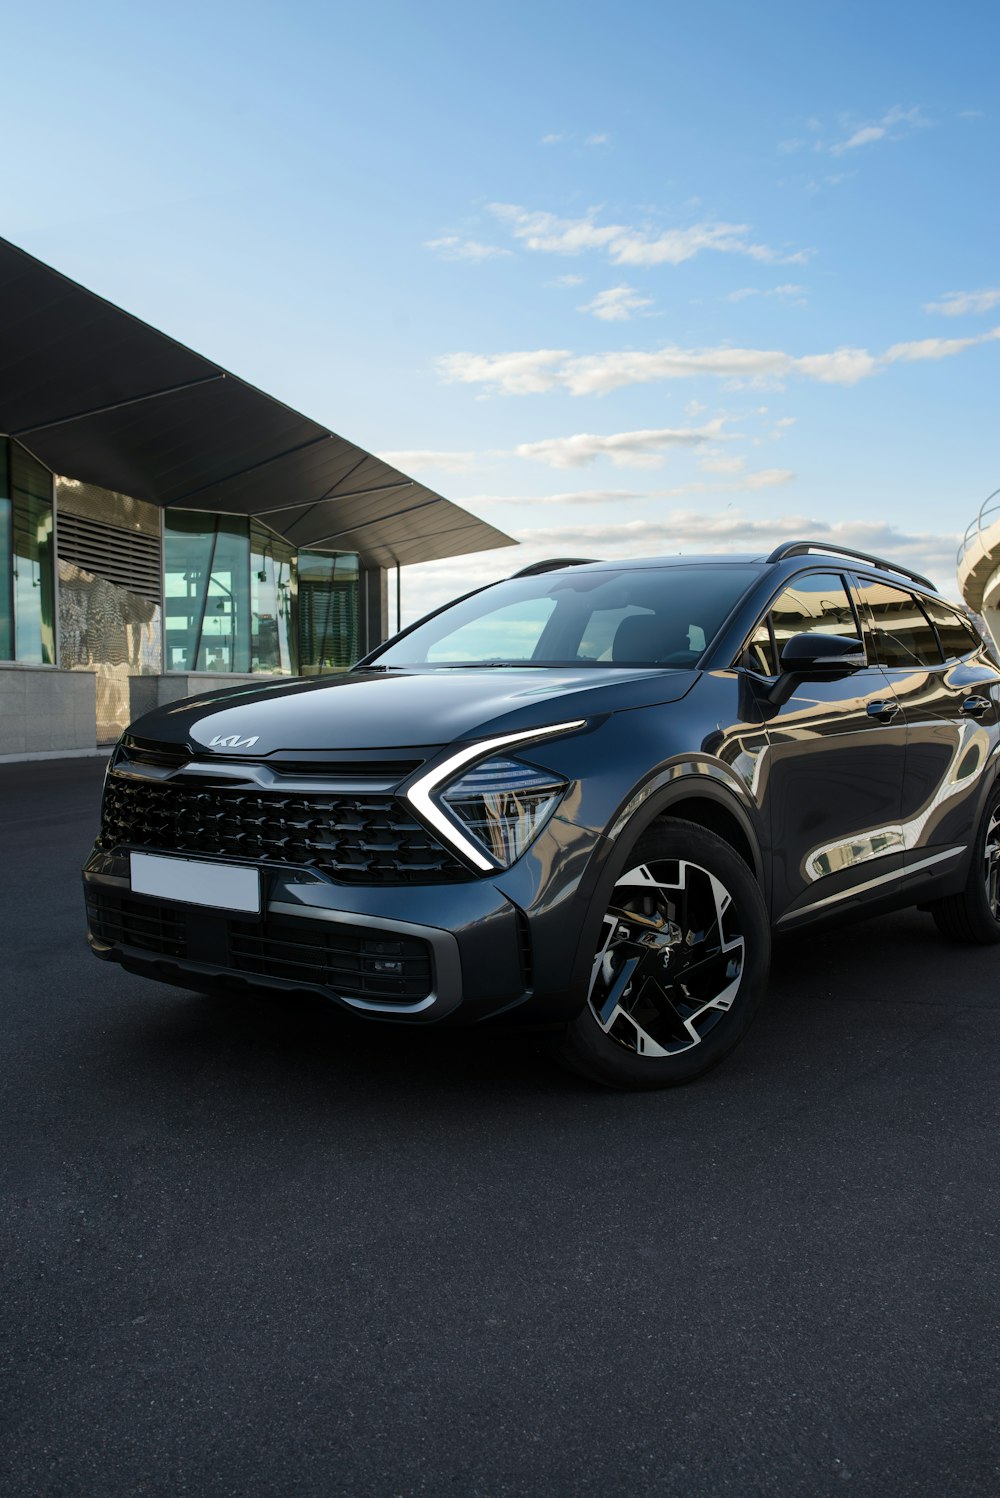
(126, 557)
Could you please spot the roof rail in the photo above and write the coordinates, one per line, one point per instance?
(803, 548)
(551, 564)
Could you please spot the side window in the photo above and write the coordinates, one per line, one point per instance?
(816, 603)
(904, 638)
(759, 652)
(956, 635)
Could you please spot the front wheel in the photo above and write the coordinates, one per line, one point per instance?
(680, 967)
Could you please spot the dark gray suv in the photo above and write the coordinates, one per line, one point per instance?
(581, 797)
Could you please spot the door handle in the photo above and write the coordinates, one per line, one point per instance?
(882, 712)
(974, 707)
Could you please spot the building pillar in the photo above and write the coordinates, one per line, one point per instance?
(373, 608)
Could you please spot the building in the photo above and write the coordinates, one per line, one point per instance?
(166, 527)
(979, 564)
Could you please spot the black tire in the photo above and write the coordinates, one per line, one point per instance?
(686, 905)
(973, 916)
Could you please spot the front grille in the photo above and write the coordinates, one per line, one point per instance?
(125, 922)
(355, 839)
(356, 962)
(349, 959)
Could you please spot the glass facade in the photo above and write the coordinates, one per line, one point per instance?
(109, 594)
(239, 598)
(27, 584)
(327, 612)
(272, 603)
(137, 591)
(206, 565)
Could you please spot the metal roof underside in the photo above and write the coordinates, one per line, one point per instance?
(99, 396)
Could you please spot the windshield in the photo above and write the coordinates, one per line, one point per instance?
(636, 617)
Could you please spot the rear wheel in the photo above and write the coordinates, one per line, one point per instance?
(973, 917)
(680, 967)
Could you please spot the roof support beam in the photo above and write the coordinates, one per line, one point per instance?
(240, 473)
(375, 520)
(353, 494)
(136, 400)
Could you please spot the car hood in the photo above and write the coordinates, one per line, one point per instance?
(400, 709)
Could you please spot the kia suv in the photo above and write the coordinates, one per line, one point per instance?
(582, 797)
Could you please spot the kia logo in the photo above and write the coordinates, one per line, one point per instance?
(233, 741)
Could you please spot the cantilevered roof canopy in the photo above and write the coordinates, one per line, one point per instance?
(99, 396)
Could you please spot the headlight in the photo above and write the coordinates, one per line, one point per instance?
(503, 803)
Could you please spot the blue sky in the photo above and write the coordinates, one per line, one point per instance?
(646, 278)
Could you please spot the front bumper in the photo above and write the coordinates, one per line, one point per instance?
(382, 952)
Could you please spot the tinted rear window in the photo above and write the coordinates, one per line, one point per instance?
(635, 617)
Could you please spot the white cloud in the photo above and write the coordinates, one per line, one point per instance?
(596, 140)
(640, 449)
(936, 348)
(568, 497)
(553, 139)
(431, 584)
(424, 457)
(617, 303)
(786, 291)
(958, 303)
(722, 463)
(567, 281)
(767, 478)
(450, 247)
(597, 374)
(515, 374)
(894, 124)
(624, 245)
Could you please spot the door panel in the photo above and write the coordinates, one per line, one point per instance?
(834, 758)
(834, 782)
(951, 718)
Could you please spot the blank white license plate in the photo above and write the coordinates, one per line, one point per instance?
(196, 882)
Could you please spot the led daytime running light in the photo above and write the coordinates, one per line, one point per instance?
(419, 793)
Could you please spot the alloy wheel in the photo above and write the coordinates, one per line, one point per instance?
(991, 864)
(671, 957)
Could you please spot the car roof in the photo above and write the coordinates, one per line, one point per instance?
(793, 562)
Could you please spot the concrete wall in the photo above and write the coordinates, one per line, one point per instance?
(44, 710)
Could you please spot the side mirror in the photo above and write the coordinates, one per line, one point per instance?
(817, 656)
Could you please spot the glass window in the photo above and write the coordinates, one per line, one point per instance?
(328, 602)
(272, 593)
(814, 604)
(6, 558)
(641, 616)
(34, 590)
(510, 633)
(206, 562)
(904, 638)
(955, 633)
(759, 653)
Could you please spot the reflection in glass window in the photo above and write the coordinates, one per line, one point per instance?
(506, 634)
(206, 562)
(815, 604)
(272, 594)
(904, 638)
(31, 534)
(327, 612)
(956, 635)
(636, 617)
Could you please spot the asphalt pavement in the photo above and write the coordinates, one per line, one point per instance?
(252, 1249)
